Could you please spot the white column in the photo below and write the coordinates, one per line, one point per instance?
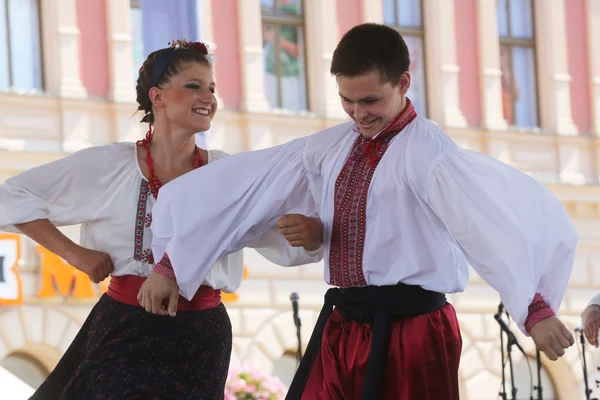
(50, 47)
(250, 29)
(593, 39)
(321, 39)
(120, 52)
(205, 23)
(67, 37)
(372, 11)
(553, 71)
(489, 66)
(441, 68)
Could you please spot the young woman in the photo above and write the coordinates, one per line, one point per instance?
(123, 351)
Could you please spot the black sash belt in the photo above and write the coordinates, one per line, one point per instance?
(375, 305)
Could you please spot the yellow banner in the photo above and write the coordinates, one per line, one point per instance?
(57, 277)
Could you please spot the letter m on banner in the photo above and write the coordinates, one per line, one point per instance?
(11, 289)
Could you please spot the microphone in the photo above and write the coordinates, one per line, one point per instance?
(579, 329)
(506, 329)
(294, 297)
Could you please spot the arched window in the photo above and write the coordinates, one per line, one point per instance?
(24, 367)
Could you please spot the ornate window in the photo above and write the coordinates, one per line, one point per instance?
(517, 62)
(406, 16)
(284, 54)
(20, 45)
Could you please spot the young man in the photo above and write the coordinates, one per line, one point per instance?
(404, 212)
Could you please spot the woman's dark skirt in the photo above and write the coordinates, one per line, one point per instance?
(123, 352)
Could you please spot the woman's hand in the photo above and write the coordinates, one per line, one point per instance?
(155, 290)
(96, 264)
(591, 324)
(300, 230)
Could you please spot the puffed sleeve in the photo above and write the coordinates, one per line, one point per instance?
(594, 301)
(222, 207)
(273, 246)
(514, 232)
(62, 191)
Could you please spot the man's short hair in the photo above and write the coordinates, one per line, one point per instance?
(371, 46)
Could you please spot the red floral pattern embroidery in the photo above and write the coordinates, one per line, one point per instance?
(539, 310)
(350, 209)
(165, 268)
(148, 220)
(140, 221)
(147, 256)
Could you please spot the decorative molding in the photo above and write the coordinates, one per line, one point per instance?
(553, 70)
(120, 51)
(321, 39)
(372, 11)
(250, 30)
(71, 85)
(489, 66)
(205, 22)
(593, 40)
(441, 67)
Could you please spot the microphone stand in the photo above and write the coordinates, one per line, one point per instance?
(503, 392)
(294, 299)
(299, 351)
(539, 374)
(511, 340)
(588, 392)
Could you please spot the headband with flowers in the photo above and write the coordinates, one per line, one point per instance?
(164, 59)
(183, 44)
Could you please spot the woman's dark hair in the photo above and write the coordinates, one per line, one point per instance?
(173, 59)
(371, 46)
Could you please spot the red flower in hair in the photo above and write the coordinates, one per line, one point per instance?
(199, 46)
(183, 44)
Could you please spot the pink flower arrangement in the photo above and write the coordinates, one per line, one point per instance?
(248, 383)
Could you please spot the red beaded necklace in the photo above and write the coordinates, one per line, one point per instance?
(155, 183)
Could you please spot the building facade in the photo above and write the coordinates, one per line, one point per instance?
(518, 80)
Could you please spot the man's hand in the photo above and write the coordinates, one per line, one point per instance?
(96, 264)
(552, 337)
(300, 230)
(156, 289)
(591, 323)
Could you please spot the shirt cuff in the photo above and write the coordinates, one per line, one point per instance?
(165, 268)
(539, 310)
(316, 252)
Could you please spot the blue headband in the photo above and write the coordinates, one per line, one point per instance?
(160, 65)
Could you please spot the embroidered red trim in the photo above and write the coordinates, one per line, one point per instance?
(350, 209)
(165, 268)
(138, 253)
(153, 181)
(539, 310)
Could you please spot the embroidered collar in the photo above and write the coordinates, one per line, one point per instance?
(373, 145)
(399, 123)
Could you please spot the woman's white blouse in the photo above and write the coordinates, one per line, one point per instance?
(103, 189)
